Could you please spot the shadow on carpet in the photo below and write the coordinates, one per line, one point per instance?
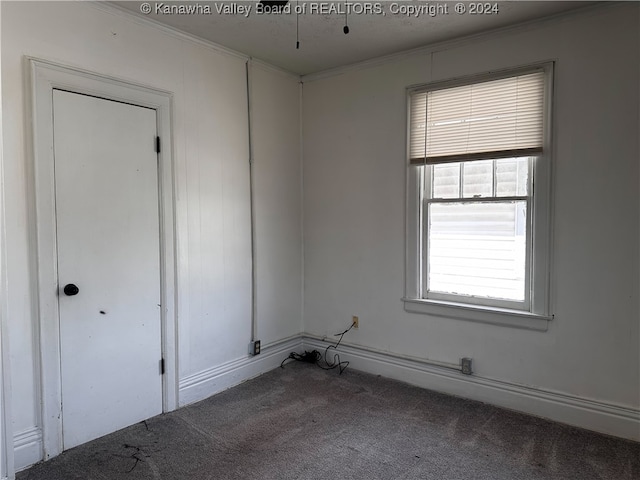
(301, 422)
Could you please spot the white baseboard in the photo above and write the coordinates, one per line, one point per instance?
(27, 448)
(585, 413)
(28, 443)
(580, 412)
(214, 380)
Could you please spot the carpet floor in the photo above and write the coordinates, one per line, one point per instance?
(301, 422)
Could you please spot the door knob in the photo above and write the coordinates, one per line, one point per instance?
(70, 290)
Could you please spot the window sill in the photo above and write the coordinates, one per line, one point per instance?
(477, 313)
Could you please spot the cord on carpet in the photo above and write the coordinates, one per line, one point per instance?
(318, 359)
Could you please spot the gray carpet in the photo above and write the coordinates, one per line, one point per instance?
(301, 422)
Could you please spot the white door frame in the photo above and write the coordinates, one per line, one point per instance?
(6, 432)
(45, 76)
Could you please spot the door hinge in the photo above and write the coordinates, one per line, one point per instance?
(157, 144)
(162, 366)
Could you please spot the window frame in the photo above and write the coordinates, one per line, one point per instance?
(427, 199)
(533, 314)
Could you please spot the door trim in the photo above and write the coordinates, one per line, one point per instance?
(45, 76)
(6, 433)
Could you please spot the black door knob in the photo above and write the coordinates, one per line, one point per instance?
(70, 290)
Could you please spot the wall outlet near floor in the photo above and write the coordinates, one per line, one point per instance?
(254, 348)
(466, 364)
(356, 321)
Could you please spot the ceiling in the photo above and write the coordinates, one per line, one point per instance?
(323, 44)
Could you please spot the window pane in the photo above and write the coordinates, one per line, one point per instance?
(446, 180)
(512, 177)
(478, 249)
(478, 179)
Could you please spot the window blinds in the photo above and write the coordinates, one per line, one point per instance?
(493, 119)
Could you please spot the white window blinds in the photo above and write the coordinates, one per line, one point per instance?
(493, 119)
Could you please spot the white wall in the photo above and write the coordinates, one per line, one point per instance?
(354, 125)
(210, 137)
(278, 205)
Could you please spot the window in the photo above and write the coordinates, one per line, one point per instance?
(478, 196)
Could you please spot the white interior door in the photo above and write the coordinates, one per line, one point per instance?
(106, 182)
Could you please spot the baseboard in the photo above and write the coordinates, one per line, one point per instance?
(27, 448)
(593, 415)
(28, 443)
(214, 380)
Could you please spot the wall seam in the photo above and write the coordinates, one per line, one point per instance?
(302, 204)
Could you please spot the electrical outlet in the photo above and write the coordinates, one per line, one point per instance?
(254, 348)
(356, 321)
(466, 364)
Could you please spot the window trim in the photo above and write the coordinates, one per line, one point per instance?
(538, 314)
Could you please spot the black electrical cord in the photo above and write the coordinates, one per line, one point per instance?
(317, 358)
(297, 26)
(345, 29)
